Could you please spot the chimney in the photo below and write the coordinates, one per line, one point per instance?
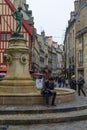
(43, 33)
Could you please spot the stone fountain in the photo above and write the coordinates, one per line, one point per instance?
(17, 87)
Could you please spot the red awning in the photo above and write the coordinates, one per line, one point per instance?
(3, 69)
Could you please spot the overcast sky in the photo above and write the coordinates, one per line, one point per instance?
(51, 16)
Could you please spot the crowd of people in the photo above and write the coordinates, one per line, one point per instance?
(78, 85)
(72, 83)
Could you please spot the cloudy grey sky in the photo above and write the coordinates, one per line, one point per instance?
(51, 16)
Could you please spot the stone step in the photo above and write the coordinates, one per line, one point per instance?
(39, 109)
(26, 119)
(79, 104)
(40, 114)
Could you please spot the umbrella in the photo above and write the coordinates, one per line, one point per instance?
(3, 69)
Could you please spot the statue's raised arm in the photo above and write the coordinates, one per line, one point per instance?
(18, 17)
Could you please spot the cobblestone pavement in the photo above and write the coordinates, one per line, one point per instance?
(81, 125)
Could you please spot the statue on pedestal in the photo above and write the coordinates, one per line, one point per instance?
(18, 17)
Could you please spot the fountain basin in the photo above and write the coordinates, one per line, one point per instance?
(63, 95)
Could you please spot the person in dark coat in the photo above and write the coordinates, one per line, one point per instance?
(81, 82)
(48, 90)
(63, 81)
(59, 82)
(73, 82)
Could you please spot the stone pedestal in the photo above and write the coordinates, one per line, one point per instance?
(17, 79)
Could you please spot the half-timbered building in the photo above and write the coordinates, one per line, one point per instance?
(7, 27)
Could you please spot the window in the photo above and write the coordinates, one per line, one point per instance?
(0, 19)
(69, 60)
(81, 40)
(5, 36)
(73, 34)
(41, 59)
(72, 59)
(80, 57)
(8, 36)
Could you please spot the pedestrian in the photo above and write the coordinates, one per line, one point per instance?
(81, 82)
(73, 82)
(66, 82)
(62, 82)
(48, 90)
(59, 81)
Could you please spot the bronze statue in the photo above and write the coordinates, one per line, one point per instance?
(18, 17)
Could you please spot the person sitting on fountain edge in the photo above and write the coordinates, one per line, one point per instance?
(48, 90)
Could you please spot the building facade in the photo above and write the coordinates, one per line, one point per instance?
(76, 39)
(7, 27)
(70, 47)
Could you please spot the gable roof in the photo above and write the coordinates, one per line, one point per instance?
(24, 23)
